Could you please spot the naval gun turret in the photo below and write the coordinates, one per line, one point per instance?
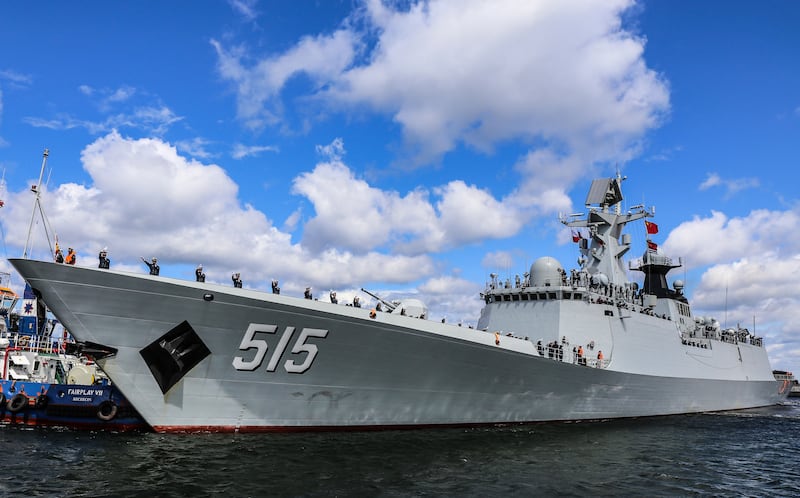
(407, 307)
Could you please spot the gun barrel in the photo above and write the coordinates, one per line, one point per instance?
(385, 302)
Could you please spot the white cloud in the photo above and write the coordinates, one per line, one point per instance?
(320, 58)
(719, 239)
(15, 79)
(334, 151)
(146, 200)
(452, 298)
(106, 98)
(545, 177)
(245, 8)
(498, 260)
(3, 142)
(481, 72)
(350, 213)
(732, 186)
(461, 206)
(241, 151)
(475, 72)
(152, 119)
(195, 147)
(757, 293)
(712, 180)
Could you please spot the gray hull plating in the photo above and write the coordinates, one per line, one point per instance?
(283, 363)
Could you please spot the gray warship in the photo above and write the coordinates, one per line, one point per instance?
(553, 346)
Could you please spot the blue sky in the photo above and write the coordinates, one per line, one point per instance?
(410, 148)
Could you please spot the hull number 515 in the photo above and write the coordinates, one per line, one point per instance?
(249, 341)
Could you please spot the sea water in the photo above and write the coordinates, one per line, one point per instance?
(746, 453)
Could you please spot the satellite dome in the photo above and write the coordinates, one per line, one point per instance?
(546, 270)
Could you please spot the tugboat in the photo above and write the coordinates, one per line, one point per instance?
(43, 383)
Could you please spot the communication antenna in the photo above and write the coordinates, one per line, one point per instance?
(37, 206)
(725, 320)
(3, 190)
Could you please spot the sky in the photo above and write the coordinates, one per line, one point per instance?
(408, 147)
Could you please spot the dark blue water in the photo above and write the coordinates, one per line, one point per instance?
(752, 453)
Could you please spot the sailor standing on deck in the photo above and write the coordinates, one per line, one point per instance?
(103, 257)
(70, 257)
(153, 265)
(237, 280)
(275, 288)
(199, 275)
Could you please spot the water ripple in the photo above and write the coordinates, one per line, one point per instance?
(751, 453)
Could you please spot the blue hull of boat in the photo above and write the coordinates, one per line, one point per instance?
(95, 407)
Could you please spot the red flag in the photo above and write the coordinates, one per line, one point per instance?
(652, 245)
(651, 227)
(576, 236)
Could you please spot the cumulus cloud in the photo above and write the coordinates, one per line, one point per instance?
(147, 200)
(757, 293)
(481, 72)
(351, 213)
(474, 72)
(564, 77)
(720, 239)
(453, 298)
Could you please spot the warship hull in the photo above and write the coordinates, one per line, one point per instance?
(203, 357)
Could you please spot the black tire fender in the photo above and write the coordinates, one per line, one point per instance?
(107, 410)
(17, 403)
